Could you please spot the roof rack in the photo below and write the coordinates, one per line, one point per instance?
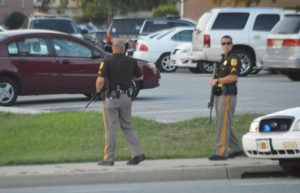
(50, 16)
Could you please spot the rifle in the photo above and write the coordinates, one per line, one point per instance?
(212, 94)
(94, 97)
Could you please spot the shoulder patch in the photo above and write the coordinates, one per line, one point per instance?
(233, 62)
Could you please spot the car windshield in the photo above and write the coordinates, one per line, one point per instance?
(66, 26)
(289, 25)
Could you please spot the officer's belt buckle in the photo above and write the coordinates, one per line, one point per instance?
(123, 91)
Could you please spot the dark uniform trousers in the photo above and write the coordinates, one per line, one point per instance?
(114, 110)
(225, 107)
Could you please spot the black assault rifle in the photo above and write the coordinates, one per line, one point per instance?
(212, 94)
(94, 98)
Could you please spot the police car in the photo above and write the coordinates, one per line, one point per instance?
(275, 136)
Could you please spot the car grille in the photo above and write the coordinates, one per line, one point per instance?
(276, 152)
(276, 124)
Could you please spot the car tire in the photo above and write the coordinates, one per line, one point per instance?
(291, 166)
(8, 91)
(194, 70)
(205, 66)
(164, 63)
(255, 71)
(293, 75)
(247, 61)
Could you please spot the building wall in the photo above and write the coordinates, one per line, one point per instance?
(195, 8)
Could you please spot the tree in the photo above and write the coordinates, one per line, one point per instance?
(245, 3)
(44, 5)
(62, 6)
(15, 20)
(164, 10)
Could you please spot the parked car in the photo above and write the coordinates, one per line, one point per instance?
(2, 28)
(180, 58)
(276, 136)
(283, 47)
(130, 29)
(157, 47)
(99, 36)
(55, 22)
(36, 62)
(248, 27)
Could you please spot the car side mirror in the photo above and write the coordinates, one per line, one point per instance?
(96, 54)
(84, 31)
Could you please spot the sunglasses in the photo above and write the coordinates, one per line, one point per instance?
(226, 43)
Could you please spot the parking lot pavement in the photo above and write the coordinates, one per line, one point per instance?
(147, 171)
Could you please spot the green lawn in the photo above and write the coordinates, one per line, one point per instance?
(79, 137)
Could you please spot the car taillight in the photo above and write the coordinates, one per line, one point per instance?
(143, 47)
(207, 41)
(291, 43)
(107, 38)
(133, 45)
(270, 42)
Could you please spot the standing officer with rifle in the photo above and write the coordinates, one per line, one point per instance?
(224, 85)
(119, 71)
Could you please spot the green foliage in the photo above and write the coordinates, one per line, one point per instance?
(80, 137)
(15, 20)
(245, 3)
(62, 6)
(164, 10)
(44, 5)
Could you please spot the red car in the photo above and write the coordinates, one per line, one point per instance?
(35, 62)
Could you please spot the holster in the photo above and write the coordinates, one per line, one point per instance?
(229, 89)
(217, 91)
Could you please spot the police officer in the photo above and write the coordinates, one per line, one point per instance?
(118, 71)
(225, 85)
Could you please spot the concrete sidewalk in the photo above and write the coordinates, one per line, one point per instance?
(147, 171)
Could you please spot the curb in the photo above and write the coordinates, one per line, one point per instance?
(136, 176)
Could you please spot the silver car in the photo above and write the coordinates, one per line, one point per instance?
(283, 47)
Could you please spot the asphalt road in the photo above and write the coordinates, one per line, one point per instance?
(203, 186)
(183, 95)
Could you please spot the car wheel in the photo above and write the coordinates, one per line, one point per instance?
(247, 61)
(293, 75)
(164, 63)
(291, 166)
(205, 66)
(194, 70)
(255, 71)
(8, 91)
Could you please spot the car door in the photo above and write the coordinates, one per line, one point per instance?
(35, 66)
(262, 26)
(77, 68)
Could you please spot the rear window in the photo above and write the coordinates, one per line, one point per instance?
(66, 26)
(231, 21)
(153, 26)
(288, 25)
(126, 26)
(265, 22)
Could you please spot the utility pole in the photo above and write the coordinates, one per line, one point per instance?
(181, 8)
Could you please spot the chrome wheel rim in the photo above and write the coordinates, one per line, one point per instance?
(165, 63)
(6, 92)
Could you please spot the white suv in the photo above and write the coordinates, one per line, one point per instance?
(248, 27)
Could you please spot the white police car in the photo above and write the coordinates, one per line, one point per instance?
(275, 136)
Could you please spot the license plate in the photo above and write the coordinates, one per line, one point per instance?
(263, 145)
(277, 44)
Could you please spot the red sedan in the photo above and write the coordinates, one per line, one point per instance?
(35, 62)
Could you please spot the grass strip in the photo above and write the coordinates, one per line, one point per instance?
(79, 137)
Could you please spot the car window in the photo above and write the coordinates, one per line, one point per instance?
(236, 21)
(185, 36)
(126, 26)
(288, 25)
(178, 23)
(67, 48)
(153, 26)
(62, 25)
(265, 22)
(163, 34)
(29, 47)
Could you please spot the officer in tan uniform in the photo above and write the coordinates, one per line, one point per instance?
(118, 71)
(225, 85)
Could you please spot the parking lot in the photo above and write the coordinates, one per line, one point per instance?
(182, 95)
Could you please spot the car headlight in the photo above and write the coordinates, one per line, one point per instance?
(254, 127)
(185, 50)
(297, 126)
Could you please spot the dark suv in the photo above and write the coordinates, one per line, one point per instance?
(131, 28)
(57, 23)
